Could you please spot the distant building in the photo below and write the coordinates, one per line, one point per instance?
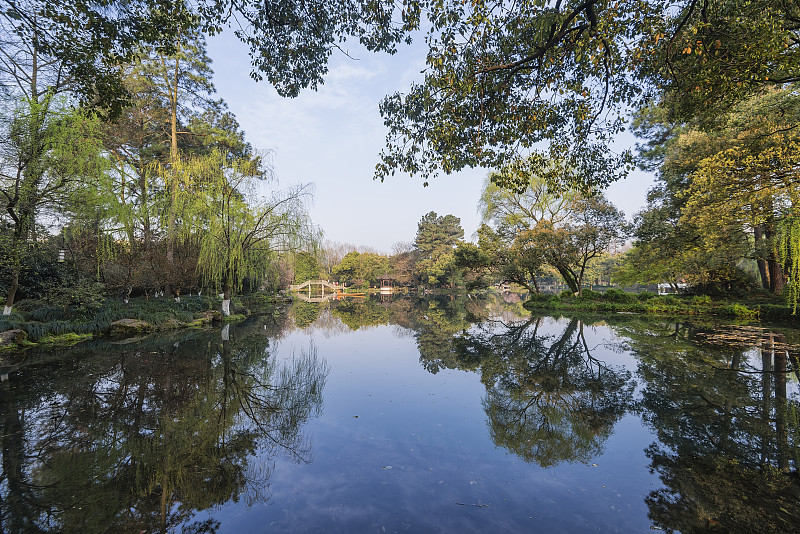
(669, 289)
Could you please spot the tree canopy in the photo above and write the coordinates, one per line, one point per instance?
(504, 80)
(290, 42)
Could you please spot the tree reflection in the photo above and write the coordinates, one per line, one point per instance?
(727, 429)
(143, 439)
(304, 313)
(547, 398)
(435, 324)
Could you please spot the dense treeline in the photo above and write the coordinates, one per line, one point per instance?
(573, 248)
(166, 198)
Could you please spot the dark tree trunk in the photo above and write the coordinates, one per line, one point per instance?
(569, 278)
(773, 263)
(758, 233)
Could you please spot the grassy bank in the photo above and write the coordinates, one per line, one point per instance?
(43, 324)
(616, 301)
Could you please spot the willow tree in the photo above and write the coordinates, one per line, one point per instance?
(238, 232)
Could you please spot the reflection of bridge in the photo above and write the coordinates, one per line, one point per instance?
(331, 296)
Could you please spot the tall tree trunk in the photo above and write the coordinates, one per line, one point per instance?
(569, 278)
(773, 262)
(758, 233)
(12, 291)
(226, 300)
(776, 284)
(17, 243)
(173, 160)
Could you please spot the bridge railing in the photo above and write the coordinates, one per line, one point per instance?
(307, 283)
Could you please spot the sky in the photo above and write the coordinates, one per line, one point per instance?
(332, 139)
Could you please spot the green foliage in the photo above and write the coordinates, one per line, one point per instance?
(724, 281)
(726, 193)
(617, 295)
(436, 240)
(38, 269)
(739, 311)
(51, 154)
(362, 269)
(238, 239)
(58, 321)
(306, 267)
(84, 297)
(290, 43)
(789, 250)
(501, 80)
(69, 338)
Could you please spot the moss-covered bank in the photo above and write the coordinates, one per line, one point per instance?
(36, 323)
(616, 301)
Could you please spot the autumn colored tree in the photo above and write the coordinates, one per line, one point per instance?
(725, 193)
(749, 179)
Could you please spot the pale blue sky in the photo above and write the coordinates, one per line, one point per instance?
(332, 138)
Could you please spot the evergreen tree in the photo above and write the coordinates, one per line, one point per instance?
(436, 240)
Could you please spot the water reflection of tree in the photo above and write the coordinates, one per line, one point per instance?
(548, 399)
(727, 430)
(304, 313)
(435, 323)
(142, 439)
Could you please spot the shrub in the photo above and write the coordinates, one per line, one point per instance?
(566, 294)
(726, 281)
(84, 297)
(701, 300)
(617, 295)
(669, 300)
(740, 311)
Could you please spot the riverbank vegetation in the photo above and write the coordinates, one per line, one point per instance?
(123, 176)
(753, 307)
(162, 197)
(37, 322)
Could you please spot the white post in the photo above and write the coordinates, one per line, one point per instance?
(6, 310)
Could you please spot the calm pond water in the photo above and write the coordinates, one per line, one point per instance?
(411, 415)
